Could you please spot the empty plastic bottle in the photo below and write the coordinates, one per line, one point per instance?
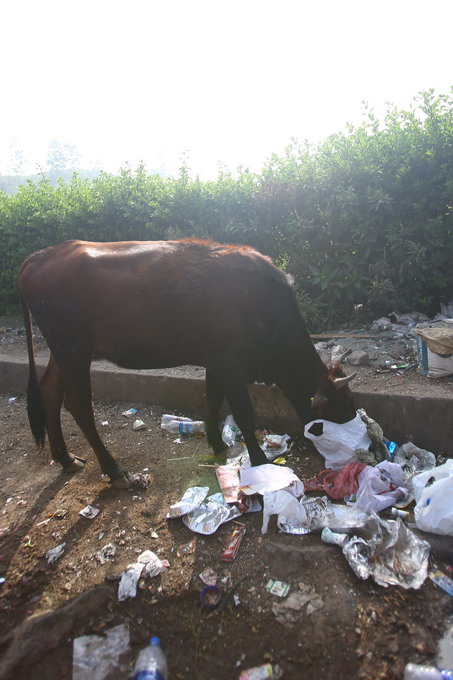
(168, 417)
(151, 663)
(184, 426)
(415, 672)
(229, 431)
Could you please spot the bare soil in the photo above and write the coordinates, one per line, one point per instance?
(362, 631)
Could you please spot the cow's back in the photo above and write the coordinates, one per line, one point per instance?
(160, 303)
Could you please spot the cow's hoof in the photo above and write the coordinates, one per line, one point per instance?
(219, 451)
(75, 465)
(122, 482)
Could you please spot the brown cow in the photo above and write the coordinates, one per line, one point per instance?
(156, 304)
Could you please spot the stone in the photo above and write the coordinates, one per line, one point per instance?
(397, 350)
(337, 351)
(359, 358)
(36, 636)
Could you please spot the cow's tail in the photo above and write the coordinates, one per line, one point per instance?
(35, 402)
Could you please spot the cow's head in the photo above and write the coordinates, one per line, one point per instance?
(333, 400)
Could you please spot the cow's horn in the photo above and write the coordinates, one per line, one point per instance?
(341, 382)
(344, 355)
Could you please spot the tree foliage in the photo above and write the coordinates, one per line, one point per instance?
(364, 218)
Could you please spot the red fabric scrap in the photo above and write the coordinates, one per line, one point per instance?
(337, 484)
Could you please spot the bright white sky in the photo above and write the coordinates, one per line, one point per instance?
(228, 81)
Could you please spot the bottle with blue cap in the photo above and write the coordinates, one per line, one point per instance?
(151, 663)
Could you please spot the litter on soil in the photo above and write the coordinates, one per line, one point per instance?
(317, 618)
(292, 604)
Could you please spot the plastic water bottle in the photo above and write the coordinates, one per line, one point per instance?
(229, 431)
(416, 672)
(151, 663)
(184, 427)
(168, 417)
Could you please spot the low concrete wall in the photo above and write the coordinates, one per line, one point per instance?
(424, 420)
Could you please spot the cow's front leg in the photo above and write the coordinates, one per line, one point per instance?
(215, 396)
(241, 406)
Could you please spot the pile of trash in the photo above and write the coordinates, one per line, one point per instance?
(397, 342)
(365, 475)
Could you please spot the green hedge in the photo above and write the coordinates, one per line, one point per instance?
(363, 219)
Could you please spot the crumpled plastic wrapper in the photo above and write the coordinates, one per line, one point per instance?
(343, 517)
(209, 576)
(238, 455)
(267, 671)
(97, 657)
(303, 516)
(54, 554)
(290, 611)
(147, 561)
(411, 456)
(228, 479)
(377, 487)
(316, 511)
(105, 553)
(190, 500)
(89, 511)
(140, 480)
(389, 552)
(413, 460)
(275, 445)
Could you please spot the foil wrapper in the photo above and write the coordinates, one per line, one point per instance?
(190, 500)
(208, 516)
(389, 552)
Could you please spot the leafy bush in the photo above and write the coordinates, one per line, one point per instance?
(362, 221)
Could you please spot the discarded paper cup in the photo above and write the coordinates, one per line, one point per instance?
(329, 536)
(210, 597)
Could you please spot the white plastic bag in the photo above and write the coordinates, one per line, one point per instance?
(282, 503)
(442, 472)
(434, 509)
(338, 442)
(267, 478)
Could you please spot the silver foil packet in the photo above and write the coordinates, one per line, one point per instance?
(210, 514)
(190, 500)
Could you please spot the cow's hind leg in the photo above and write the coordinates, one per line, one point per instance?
(78, 403)
(214, 400)
(52, 391)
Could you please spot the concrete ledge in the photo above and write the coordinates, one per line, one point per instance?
(424, 420)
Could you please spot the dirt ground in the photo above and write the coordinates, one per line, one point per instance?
(363, 630)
